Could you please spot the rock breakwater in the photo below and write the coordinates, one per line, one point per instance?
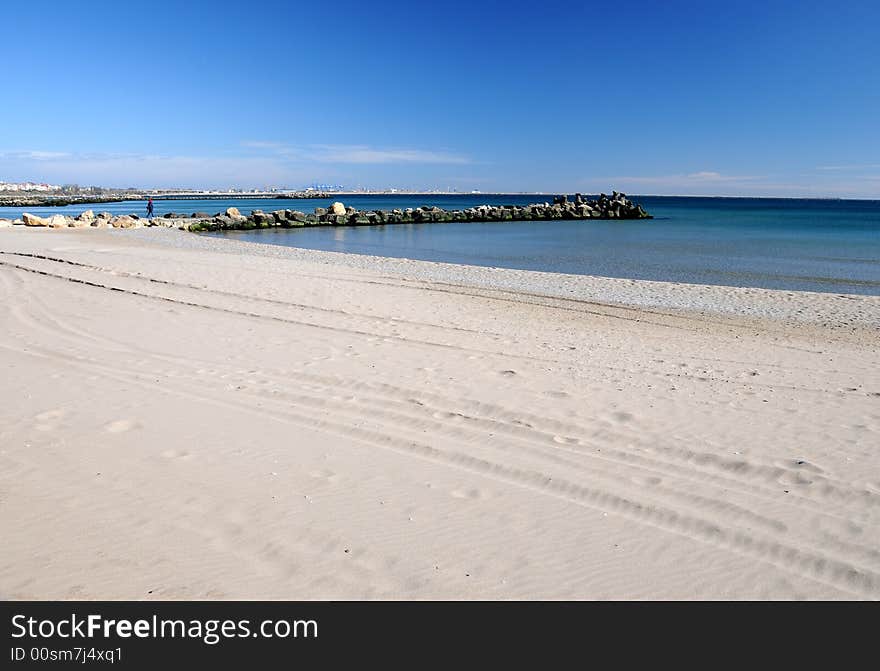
(616, 206)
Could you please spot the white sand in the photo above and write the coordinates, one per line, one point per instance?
(198, 418)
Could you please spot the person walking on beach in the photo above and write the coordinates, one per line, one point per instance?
(150, 207)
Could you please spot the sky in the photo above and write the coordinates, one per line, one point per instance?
(763, 98)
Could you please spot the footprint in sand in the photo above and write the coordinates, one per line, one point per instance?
(473, 494)
(799, 464)
(622, 417)
(565, 440)
(177, 455)
(448, 415)
(326, 475)
(794, 479)
(50, 415)
(122, 425)
(46, 421)
(556, 394)
(507, 373)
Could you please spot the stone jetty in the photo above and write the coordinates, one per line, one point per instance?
(615, 206)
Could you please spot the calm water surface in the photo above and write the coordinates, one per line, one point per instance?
(814, 245)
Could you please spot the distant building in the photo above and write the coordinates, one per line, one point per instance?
(27, 186)
(324, 187)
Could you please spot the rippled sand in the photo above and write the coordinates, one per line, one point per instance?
(188, 417)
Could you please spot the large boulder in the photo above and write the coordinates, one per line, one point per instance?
(337, 208)
(124, 221)
(33, 220)
(88, 217)
(232, 212)
(263, 219)
(58, 221)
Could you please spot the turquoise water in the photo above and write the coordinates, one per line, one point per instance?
(792, 244)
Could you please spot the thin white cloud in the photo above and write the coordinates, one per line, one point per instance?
(254, 164)
(364, 154)
(683, 179)
(710, 176)
(34, 155)
(260, 144)
(355, 154)
(151, 170)
(260, 164)
(860, 166)
(711, 183)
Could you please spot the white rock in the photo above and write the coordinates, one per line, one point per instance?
(57, 221)
(33, 220)
(124, 221)
(232, 212)
(337, 208)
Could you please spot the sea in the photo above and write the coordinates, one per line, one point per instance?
(773, 243)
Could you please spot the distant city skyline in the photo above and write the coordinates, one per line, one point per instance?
(776, 98)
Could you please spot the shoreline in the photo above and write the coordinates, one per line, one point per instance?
(838, 311)
(198, 418)
(722, 300)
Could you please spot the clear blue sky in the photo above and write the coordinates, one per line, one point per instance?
(673, 97)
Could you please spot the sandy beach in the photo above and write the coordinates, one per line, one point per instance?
(184, 417)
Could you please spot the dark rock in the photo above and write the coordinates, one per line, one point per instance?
(617, 206)
(262, 219)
